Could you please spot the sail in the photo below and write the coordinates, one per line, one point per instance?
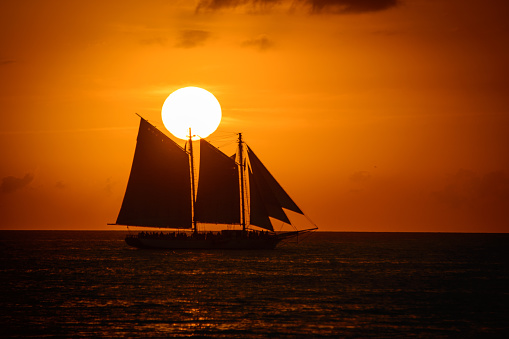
(273, 195)
(218, 196)
(258, 214)
(271, 204)
(158, 192)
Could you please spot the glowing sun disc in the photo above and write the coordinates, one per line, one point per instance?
(191, 107)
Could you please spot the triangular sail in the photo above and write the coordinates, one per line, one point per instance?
(158, 192)
(269, 199)
(218, 197)
(258, 214)
(273, 195)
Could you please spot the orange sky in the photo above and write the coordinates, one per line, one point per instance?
(375, 115)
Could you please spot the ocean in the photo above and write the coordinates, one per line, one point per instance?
(330, 285)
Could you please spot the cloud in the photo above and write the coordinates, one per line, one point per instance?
(154, 41)
(6, 61)
(73, 130)
(60, 185)
(350, 6)
(214, 5)
(360, 176)
(192, 38)
(387, 32)
(261, 43)
(108, 187)
(466, 189)
(10, 184)
(313, 6)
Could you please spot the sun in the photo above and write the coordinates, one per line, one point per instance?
(191, 107)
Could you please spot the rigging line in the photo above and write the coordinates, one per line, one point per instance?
(219, 139)
(226, 144)
(222, 134)
(306, 235)
(283, 223)
(305, 215)
(226, 132)
(216, 149)
(309, 219)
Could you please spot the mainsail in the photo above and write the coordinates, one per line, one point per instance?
(258, 213)
(218, 196)
(158, 192)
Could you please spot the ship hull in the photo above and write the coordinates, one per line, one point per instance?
(204, 244)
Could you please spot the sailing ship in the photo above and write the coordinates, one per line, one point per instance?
(237, 192)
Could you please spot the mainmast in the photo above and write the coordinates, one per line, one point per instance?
(242, 199)
(193, 188)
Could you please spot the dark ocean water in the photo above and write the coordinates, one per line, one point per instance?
(382, 285)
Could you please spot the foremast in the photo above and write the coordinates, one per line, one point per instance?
(193, 185)
(242, 184)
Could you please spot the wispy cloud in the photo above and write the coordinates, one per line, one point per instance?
(467, 189)
(312, 6)
(387, 32)
(349, 6)
(360, 177)
(109, 185)
(6, 61)
(10, 183)
(261, 43)
(192, 38)
(76, 130)
(60, 185)
(154, 41)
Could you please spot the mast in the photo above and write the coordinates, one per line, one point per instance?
(242, 199)
(193, 189)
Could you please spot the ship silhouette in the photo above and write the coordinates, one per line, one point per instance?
(237, 192)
